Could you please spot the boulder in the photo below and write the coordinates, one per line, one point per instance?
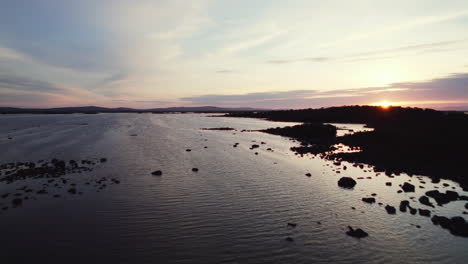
(347, 182)
(443, 198)
(17, 202)
(404, 205)
(369, 200)
(157, 173)
(390, 209)
(425, 200)
(456, 225)
(407, 187)
(424, 212)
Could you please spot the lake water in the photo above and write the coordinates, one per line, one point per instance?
(235, 209)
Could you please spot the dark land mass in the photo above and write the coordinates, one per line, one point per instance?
(410, 140)
(96, 110)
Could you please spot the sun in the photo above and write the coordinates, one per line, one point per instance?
(384, 104)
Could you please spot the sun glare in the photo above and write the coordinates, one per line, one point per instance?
(384, 104)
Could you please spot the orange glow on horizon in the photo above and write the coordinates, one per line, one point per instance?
(384, 104)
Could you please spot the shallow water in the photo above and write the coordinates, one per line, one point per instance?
(235, 209)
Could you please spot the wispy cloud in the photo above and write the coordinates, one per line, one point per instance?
(382, 54)
(19, 83)
(225, 71)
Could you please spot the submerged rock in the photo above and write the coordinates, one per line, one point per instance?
(358, 232)
(308, 174)
(292, 224)
(195, 169)
(347, 182)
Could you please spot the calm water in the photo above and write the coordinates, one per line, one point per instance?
(234, 210)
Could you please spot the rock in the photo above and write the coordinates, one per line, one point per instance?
(289, 239)
(347, 182)
(369, 200)
(404, 205)
(388, 183)
(413, 211)
(390, 209)
(188, 150)
(292, 224)
(425, 200)
(157, 173)
(195, 169)
(456, 225)
(443, 198)
(72, 190)
(424, 212)
(466, 206)
(254, 146)
(408, 187)
(17, 202)
(358, 232)
(103, 160)
(308, 174)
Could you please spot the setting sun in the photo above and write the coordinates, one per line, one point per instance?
(384, 104)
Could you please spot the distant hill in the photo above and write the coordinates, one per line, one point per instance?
(96, 109)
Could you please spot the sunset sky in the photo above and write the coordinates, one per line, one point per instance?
(269, 54)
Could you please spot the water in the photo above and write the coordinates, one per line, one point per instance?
(235, 209)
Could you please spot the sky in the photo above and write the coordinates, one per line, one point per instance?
(255, 53)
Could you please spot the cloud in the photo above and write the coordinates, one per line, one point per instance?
(449, 89)
(418, 47)
(381, 54)
(225, 71)
(18, 83)
(317, 59)
(18, 90)
(280, 61)
(307, 59)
